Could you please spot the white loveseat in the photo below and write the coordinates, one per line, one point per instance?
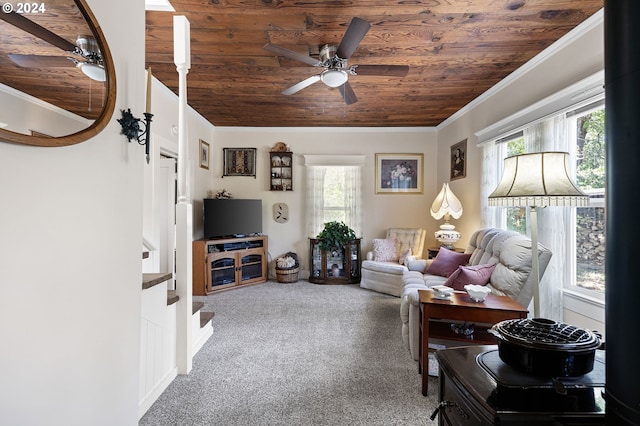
(511, 253)
(386, 277)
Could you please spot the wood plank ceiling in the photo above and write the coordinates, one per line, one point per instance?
(456, 50)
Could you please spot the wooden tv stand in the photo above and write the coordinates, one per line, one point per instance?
(223, 263)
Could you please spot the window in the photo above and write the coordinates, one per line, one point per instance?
(587, 130)
(333, 194)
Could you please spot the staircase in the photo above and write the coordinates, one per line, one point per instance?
(158, 362)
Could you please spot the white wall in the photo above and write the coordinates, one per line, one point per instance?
(381, 211)
(70, 256)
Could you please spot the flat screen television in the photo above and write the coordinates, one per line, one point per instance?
(232, 217)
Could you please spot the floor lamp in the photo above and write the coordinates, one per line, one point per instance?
(540, 179)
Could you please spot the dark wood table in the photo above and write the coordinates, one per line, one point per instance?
(460, 308)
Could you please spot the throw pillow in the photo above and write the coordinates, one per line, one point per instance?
(384, 250)
(446, 262)
(403, 257)
(477, 274)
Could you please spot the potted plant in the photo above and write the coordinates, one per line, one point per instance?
(335, 235)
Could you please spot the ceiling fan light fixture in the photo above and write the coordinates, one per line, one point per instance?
(334, 78)
(93, 71)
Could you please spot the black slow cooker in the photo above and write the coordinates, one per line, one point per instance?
(544, 347)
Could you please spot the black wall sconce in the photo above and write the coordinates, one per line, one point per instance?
(131, 125)
(131, 129)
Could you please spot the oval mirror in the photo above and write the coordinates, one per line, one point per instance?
(56, 71)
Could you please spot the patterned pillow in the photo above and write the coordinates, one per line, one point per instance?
(477, 274)
(446, 262)
(384, 250)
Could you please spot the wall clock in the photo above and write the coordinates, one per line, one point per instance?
(280, 212)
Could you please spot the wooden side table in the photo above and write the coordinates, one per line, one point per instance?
(460, 308)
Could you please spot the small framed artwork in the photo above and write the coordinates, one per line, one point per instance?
(458, 160)
(399, 173)
(239, 162)
(204, 154)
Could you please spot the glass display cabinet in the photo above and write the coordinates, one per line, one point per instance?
(334, 267)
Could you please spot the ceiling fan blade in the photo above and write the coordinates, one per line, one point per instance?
(291, 54)
(304, 83)
(31, 27)
(38, 61)
(383, 70)
(348, 94)
(358, 28)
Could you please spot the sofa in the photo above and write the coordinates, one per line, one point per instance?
(506, 253)
(382, 270)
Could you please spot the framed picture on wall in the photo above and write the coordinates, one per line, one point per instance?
(239, 162)
(399, 173)
(204, 154)
(458, 160)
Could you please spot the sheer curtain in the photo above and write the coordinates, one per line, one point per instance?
(353, 198)
(492, 155)
(315, 198)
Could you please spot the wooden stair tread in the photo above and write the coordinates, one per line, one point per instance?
(150, 280)
(196, 307)
(205, 317)
(172, 297)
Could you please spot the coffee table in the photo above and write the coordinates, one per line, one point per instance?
(460, 308)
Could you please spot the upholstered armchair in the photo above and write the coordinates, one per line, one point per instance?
(384, 266)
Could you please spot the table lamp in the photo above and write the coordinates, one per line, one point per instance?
(446, 205)
(533, 180)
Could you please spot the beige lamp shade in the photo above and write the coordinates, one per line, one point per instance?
(446, 204)
(539, 179)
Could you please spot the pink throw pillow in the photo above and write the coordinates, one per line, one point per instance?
(477, 274)
(446, 262)
(384, 250)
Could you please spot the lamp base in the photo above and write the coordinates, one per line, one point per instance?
(447, 237)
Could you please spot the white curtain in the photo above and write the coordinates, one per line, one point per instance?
(353, 198)
(316, 203)
(315, 199)
(555, 224)
(492, 155)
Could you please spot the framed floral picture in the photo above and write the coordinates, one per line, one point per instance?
(204, 154)
(399, 173)
(239, 162)
(458, 160)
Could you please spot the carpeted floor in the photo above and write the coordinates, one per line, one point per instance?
(299, 354)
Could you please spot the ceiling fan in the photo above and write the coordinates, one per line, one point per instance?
(86, 52)
(334, 63)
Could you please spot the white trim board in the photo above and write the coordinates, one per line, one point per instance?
(574, 96)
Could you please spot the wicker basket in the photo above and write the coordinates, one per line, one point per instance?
(287, 275)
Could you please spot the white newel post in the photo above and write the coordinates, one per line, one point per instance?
(184, 209)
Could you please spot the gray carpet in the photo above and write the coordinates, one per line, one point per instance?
(299, 354)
